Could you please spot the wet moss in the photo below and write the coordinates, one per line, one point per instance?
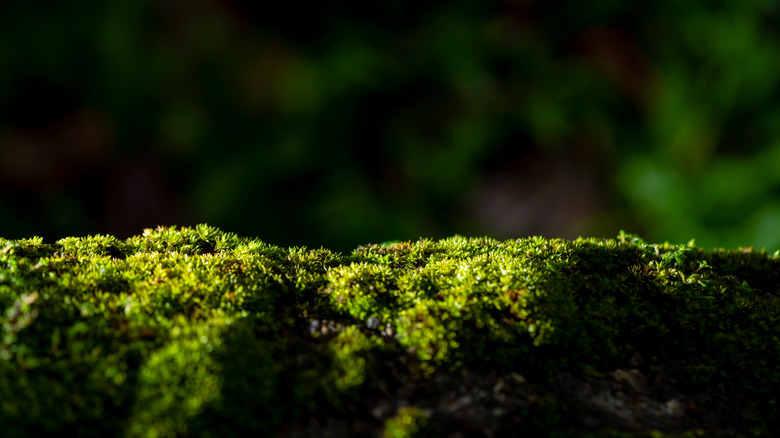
(199, 332)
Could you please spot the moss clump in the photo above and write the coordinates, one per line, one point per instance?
(198, 332)
(408, 422)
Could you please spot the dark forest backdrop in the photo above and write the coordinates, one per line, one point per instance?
(356, 122)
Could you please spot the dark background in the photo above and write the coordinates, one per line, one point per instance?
(355, 122)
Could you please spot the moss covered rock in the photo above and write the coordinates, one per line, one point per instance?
(197, 332)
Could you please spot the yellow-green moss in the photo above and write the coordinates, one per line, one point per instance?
(407, 423)
(198, 332)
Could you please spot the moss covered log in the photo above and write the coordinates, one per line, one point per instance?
(197, 332)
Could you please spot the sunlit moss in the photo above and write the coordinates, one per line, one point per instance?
(409, 422)
(197, 332)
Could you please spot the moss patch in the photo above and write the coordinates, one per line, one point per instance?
(198, 332)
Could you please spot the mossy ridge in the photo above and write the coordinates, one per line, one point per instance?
(194, 331)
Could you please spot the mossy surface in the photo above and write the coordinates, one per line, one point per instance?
(197, 332)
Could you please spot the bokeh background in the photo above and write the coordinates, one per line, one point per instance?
(343, 123)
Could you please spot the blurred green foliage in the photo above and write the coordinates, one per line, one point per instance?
(342, 124)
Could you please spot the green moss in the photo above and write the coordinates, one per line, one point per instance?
(197, 332)
(409, 422)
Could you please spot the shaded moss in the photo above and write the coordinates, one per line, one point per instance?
(197, 332)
